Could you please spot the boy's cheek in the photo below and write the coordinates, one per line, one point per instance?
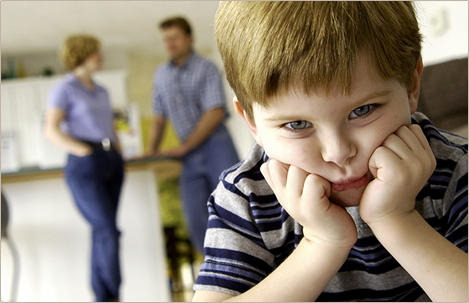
(274, 151)
(292, 157)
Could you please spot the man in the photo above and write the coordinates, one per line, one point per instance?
(188, 91)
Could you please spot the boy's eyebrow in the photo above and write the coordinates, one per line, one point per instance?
(374, 95)
(283, 118)
(371, 96)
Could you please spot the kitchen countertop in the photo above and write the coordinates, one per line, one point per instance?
(164, 168)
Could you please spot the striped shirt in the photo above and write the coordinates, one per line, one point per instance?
(183, 94)
(249, 233)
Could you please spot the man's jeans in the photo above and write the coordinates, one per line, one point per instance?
(200, 176)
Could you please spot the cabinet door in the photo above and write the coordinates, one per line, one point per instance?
(45, 86)
(10, 156)
(24, 105)
(8, 124)
(28, 117)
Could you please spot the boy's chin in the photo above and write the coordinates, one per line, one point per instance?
(347, 198)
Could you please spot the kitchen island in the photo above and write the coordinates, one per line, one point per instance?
(53, 239)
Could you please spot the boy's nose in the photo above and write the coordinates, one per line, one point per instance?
(338, 149)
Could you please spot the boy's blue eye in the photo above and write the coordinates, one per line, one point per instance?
(361, 111)
(298, 125)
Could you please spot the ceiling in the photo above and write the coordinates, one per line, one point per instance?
(40, 26)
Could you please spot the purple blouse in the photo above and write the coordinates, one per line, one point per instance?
(89, 114)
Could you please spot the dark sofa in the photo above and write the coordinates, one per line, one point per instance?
(443, 95)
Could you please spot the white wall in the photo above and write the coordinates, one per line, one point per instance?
(444, 25)
(242, 138)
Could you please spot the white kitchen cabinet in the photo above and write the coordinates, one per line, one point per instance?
(23, 108)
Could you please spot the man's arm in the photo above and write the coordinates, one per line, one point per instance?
(204, 128)
(156, 134)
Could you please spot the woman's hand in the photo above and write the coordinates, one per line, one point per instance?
(83, 151)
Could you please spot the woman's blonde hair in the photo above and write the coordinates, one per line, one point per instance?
(268, 47)
(76, 49)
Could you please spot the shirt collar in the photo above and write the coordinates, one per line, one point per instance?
(72, 78)
(188, 61)
(265, 158)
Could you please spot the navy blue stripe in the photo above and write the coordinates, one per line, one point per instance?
(264, 202)
(233, 189)
(459, 237)
(223, 282)
(261, 265)
(253, 173)
(407, 292)
(222, 218)
(282, 252)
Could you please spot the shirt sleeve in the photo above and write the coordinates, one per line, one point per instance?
(212, 94)
(455, 217)
(235, 257)
(58, 97)
(158, 107)
(249, 233)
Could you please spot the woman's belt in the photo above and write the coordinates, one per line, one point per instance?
(105, 144)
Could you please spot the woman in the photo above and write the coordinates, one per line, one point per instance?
(80, 120)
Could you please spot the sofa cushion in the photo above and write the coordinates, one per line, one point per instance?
(443, 94)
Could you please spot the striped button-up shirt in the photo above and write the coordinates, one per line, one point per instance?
(183, 94)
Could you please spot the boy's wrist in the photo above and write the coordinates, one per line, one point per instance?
(328, 246)
(394, 223)
(389, 214)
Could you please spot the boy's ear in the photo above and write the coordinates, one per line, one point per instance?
(415, 92)
(251, 125)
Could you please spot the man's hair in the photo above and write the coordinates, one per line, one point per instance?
(179, 22)
(76, 49)
(270, 47)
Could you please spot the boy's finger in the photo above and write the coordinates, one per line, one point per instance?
(266, 173)
(381, 158)
(396, 145)
(317, 188)
(296, 179)
(417, 131)
(278, 174)
(409, 135)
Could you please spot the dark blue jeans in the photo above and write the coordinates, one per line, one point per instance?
(200, 176)
(95, 182)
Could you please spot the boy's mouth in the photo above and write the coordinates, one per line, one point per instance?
(350, 183)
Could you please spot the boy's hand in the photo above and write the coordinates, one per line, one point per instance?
(306, 198)
(401, 167)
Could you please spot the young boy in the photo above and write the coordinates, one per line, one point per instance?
(341, 199)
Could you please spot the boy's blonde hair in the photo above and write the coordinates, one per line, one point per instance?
(270, 47)
(76, 49)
